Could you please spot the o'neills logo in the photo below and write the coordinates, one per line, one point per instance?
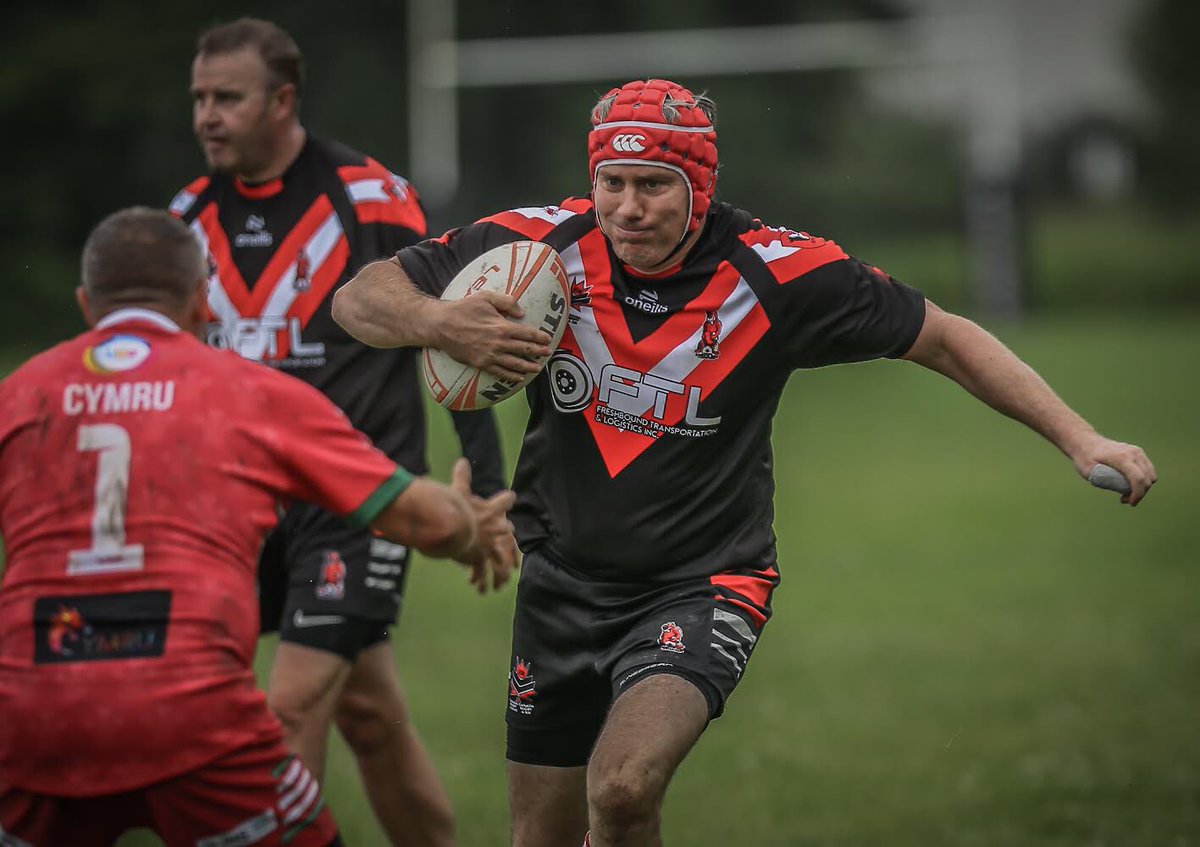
(256, 234)
(646, 301)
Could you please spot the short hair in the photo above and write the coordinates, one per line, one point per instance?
(141, 256)
(277, 49)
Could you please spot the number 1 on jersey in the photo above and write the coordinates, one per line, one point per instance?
(109, 552)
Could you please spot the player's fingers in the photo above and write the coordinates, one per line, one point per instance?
(503, 303)
(518, 363)
(514, 371)
(500, 573)
(503, 501)
(460, 476)
(479, 576)
(514, 337)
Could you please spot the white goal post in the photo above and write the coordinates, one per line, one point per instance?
(976, 48)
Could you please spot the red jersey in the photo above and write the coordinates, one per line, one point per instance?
(139, 472)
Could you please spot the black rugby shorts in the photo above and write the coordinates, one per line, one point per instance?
(327, 585)
(579, 643)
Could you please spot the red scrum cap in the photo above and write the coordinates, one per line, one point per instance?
(657, 122)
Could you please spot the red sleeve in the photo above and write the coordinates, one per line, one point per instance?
(381, 197)
(324, 459)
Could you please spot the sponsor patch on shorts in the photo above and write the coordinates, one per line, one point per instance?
(332, 582)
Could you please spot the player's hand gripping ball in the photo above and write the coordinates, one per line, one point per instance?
(533, 274)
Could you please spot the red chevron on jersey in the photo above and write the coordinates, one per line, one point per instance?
(643, 390)
(263, 322)
(533, 222)
(380, 196)
(790, 254)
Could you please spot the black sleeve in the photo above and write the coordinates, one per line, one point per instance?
(431, 265)
(434, 262)
(846, 311)
(480, 441)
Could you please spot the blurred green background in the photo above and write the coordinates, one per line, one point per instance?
(970, 647)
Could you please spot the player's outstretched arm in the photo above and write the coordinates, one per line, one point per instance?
(448, 522)
(976, 360)
(381, 307)
(430, 517)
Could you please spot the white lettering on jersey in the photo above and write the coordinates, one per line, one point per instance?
(256, 337)
(635, 393)
(111, 398)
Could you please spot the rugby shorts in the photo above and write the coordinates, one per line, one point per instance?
(326, 585)
(259, 794)
(578, 644)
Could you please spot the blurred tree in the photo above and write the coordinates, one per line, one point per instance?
(95, 104)
(97, 115)
(1164, 50)
(777, 130)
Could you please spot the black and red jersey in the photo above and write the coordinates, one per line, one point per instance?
(647, 456)
(277, 252)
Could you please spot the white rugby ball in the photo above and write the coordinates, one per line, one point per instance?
(531, 272)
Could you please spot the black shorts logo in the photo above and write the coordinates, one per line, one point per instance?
(670, 637)
(90, 627)
(522, 687)
(332, 584)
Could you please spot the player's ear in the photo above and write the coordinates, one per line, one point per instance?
(286, 99)
(84, 306)
(196, 311)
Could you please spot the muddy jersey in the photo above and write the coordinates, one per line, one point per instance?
(278, 251)
(647, 455)
(135, 493)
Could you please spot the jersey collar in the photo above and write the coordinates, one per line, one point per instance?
(135, 314)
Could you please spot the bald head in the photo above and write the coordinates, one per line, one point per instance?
(141, 257)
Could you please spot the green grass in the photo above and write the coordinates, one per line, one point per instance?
(970, 646)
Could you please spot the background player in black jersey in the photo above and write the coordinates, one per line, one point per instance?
(644, 483)
(286, 217)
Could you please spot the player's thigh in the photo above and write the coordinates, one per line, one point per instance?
(38, 820)
(372, 695)
(701, 630)
(556, 698)
(305, 681)
(259, 794)
(649, 730)
(547, 805)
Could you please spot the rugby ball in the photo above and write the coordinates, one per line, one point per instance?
(531, 272)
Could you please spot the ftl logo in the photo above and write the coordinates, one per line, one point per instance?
(266, 322)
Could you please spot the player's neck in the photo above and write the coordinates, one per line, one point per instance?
(286, 152)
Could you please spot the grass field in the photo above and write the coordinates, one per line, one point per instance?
(970, 646)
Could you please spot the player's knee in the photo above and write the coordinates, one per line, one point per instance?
(624, 795)
(295, 708)
(368, 722)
